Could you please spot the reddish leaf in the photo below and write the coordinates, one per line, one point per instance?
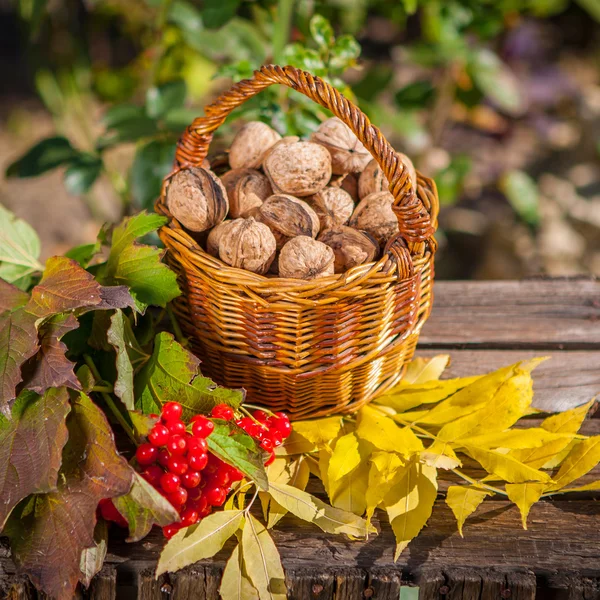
(31, 446)
(49, 533)
(11, 297)
(50, 367)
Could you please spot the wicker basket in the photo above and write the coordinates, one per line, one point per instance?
(318, 347)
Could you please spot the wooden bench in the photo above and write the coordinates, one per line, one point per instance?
(482, 326)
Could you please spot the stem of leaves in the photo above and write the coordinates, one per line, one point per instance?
(472, 481)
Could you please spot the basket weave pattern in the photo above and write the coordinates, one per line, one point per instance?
(308, 347)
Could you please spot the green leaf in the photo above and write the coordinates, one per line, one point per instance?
(187, 17)
(216, 13)
(19, 248)
(199, 541)
(128, 130)
(164, 98)
(450, 180)
(152, 163)
(414, 96)
(31, 445)
(235, 584)
(172, 372)
(121, 113)
(304, 58)
(321, 31)
(143, 507)
(522, 193)
(82, 174)
(44, 156)
(262, 561)
(142, 424)
(83, 254)
(344, 53)
(92, 558)
(238, 449)
(91, 470)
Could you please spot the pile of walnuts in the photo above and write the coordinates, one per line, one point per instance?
(288, 207)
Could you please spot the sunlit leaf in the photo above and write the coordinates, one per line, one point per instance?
(319, 431)
(584, 456)
(463, 501)
(524, 495)
(421, 370)
(321, 31)
(235, 584)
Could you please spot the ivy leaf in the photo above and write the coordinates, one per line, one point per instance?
(463, 500)
(410, 502)
(46, 155)
(91, 470)
(200, 541)
(92, 558)
(143, 506)
(31, 445)
(19, 249)
(235, 584)
(164, 98)
(582, 458)
(311, 509)
(262, 561)
(139, 266)
(238, 449)
(525, 495)
(172, 372)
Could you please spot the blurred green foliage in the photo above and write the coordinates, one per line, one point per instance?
(159, 60)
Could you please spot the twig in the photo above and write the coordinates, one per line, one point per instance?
(476, 483)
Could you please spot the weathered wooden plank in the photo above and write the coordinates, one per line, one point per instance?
(103, 586)
(383, 584)
(313, 584)
(430, 582)
(566, 380)
(515, 314)
(463, 584)
(521, 586)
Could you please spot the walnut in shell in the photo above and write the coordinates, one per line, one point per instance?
(214, 237)
(350, 247)
(246, 190)
(374, 215)
(348, 155)
(298, 168)
(305, 258)
(247, 244)
(197, 198)
(250, 145)
(288, 139)
(288, 217)
(348, 182)
(333, 206)
(373, 180)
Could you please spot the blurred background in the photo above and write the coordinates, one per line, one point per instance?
(498, 100)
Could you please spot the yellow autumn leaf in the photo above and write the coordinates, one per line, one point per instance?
(525, 495)
(278, 472)
(386, 468)
(295, 444)
(440, 455)
(319, 431)
(384, 434)
(262, 561)
(299, 474)
(349, 492)
(235, 584)
(324, 457)
(201, 541)
(505, 466)
(463, 500)
(410, 502)
(583, 457)
(593, 486)
(420, 370)
(515, 439)
(568, 421)
(504, 407)
(345, 457)
(311, 509)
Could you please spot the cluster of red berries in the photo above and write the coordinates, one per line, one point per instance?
(177, 463)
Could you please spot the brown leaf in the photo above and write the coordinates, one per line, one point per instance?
(31, 446)
(49, 533)
(11, 297)
(50, 367)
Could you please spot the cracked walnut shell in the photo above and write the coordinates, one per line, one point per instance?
(373, 180)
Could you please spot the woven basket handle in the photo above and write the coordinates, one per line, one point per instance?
(414, 220)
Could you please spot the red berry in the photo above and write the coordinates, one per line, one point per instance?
(178, 497)
(197, 460)
(177, 445)
(276, 438)
(146, 454)
(197, 443)
(284, 427)
(110, 513)
(169, 482)
(170, 530)
(159, 435)
(202, 427)
(271, 422)
(171, 411)
(176, 427)
(260, 415)
(215, 495)
(222, 411)
(153, 416)
(189, 517)
(163, 457)
(177, 465)
(221, 477)
(235, 474)
(152, 475)
(270, 459)
(267, 444)
(191, 479)
(245, 423)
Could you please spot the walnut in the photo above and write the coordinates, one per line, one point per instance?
(288, 217)
(373, 180)
(288, 139)
(247, 244)
(305, 258)
(374, 215)
(350, 247)
(246, 190)
(348, 155)
(197, 198)
(348, 182)
(298, 168)
(333, 206)
(214, 237)
(250, 144)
